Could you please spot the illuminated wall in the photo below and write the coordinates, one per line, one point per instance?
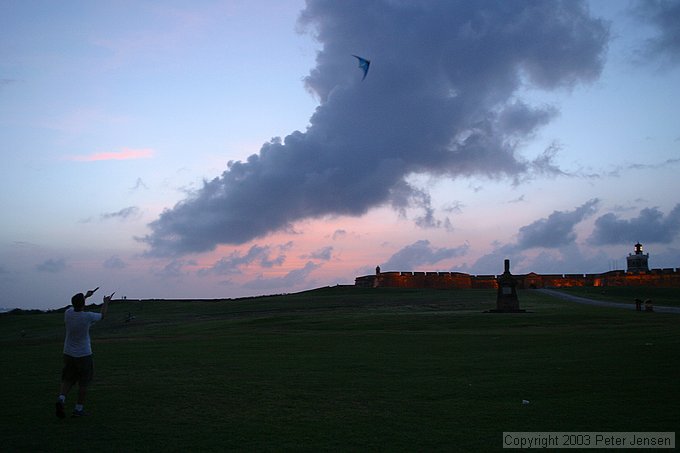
(449, 280)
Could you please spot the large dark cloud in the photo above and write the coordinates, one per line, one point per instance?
(420, 253)
(492, 263)
(557, 229)
(233, 263)
(649, 226)
(323, 254)
(555, 233)
(441, 98)
(664, 16)
(556, 236)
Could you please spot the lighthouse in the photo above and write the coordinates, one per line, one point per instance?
(638, 261)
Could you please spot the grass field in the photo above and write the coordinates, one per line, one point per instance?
(669, 297)
(344, 369)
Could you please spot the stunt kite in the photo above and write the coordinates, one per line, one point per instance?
(363, 65)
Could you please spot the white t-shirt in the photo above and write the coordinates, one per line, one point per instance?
(77, 342)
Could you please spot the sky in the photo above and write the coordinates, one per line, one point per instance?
(219, 149)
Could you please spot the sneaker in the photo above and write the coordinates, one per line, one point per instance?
(60, 409)
(78, 413)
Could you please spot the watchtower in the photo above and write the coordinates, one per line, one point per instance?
(638, 261)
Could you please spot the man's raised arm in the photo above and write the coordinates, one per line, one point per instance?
(105, 306)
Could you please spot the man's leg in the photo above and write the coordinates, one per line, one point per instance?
(79, 410)
(65, 388)
(67, 381)
(82, 392)
(86, 373)
(63, 391)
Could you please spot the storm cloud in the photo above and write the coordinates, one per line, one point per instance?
(233, 263)
(649, 226)
(555, 234)
(441, 98)
(664, 16)
(557, 229)
(421, 253)
(323, 254)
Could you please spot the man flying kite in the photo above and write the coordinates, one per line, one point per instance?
(78, 363)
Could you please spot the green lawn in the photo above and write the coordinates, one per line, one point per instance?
(342, 369)
(669, 297)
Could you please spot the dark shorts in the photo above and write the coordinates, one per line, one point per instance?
(78, 369)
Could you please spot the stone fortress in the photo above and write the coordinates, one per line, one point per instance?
(636, 274)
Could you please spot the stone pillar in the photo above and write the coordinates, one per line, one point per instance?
(506, 299)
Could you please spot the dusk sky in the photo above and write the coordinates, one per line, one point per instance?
(217, 149)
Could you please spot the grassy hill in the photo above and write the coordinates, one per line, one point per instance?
(342, 369)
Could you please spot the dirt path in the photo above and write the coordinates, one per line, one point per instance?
(601, 303)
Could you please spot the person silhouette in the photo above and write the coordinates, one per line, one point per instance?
(78, 363)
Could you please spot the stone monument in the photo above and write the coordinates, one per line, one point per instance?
(506, 300)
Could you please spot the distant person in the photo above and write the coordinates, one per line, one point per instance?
(78, 363)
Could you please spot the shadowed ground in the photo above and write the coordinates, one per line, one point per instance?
(601, 303)
(342, 369)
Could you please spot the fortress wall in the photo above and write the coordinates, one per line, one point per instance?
(484, 282)
(448, 280)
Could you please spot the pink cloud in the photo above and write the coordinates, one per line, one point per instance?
(125, 154)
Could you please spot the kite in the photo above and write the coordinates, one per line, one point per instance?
(363, 65)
